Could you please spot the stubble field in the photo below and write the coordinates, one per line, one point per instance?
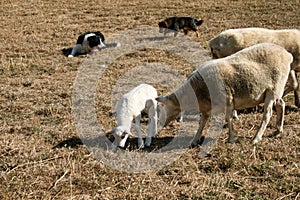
(41, 154)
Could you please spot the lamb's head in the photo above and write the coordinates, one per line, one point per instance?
(120, 134)
(169, 109)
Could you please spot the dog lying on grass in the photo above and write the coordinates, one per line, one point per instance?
(86, 42)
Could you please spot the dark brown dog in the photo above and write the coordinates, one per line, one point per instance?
(174, 24)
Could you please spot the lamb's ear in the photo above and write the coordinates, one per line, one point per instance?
(162, 99)
(125, 133)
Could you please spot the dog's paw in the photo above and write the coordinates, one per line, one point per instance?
(70, 56)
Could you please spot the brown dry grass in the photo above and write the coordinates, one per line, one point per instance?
(41, 156)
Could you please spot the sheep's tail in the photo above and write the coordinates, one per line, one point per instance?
(198, 22)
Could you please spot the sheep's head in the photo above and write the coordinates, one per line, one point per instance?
(224, 45)
(168, 110)
(120, 134)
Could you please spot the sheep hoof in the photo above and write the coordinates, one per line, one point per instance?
(193, 145)
(276, 133)
(297, 103)
(198, 142)
(231, 140)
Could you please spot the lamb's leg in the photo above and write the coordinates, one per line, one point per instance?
(199, 135)
(152, 124)
(268, 105)
(280, 107)
(139, 131)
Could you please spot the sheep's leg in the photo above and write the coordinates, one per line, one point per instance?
(235, 115)
(280, 107)
(268, 105)
(229, 118)
(296, 93)
(139, 131)
(199, 135)
(292, 85)
(297, 100)
(179, 118)
(152, 124)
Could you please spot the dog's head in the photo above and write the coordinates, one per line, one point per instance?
(96, 41)
(163, 25)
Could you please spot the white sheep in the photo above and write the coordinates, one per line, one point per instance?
(130, 106)
(233, 40)
(252, 76)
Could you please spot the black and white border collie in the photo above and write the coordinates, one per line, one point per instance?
(86, 42)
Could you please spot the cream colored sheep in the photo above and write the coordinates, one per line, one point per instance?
(245, 79)
(233, 40)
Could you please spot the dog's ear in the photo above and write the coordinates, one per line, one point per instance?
(100, 35)
(93, 41)
(163, 24)
(199, 22)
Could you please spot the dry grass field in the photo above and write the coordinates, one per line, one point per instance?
(41, 154)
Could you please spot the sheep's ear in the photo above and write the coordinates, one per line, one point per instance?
(161, 99)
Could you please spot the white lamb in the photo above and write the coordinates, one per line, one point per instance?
(252, 76)
(130, 106)
(233, 40)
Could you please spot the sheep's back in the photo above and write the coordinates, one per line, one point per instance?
(233, 40)
(246, 75)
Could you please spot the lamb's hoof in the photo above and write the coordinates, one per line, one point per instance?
(148, 141)
(141, 145)
(256, 140)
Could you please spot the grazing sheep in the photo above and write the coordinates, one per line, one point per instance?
(233, 40)
(130, 107)
(252, 76)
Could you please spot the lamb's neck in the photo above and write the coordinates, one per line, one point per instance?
(123, 119)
